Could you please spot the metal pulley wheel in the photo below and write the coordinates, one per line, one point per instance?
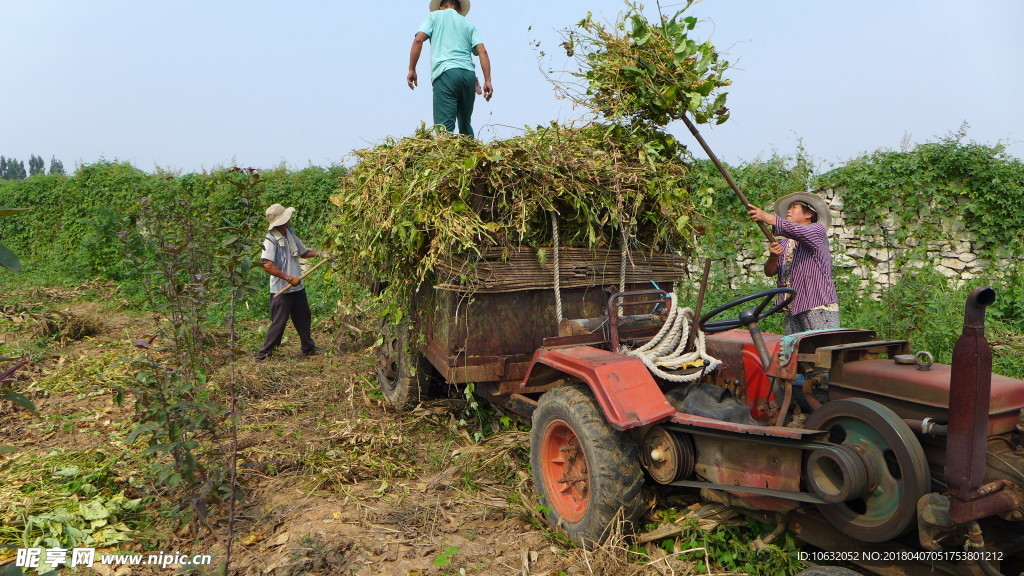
(667, 457)
(837, 475)
(897, 471)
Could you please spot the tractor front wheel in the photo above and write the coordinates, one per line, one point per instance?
(585, 472)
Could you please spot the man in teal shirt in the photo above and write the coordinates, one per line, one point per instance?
(453, 42)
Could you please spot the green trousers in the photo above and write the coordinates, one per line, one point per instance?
(454, 95)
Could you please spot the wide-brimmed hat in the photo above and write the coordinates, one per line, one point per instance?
(278, 215)
(436, 5)
(816, 203)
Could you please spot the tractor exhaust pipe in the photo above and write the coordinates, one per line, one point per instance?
(970, 390)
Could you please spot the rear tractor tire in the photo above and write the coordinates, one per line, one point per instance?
(402, 372)
(585, 472)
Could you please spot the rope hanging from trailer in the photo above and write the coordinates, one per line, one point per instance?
(625, 257)
(624, 230)
(667, 350)
(622, 265)
(558, 280)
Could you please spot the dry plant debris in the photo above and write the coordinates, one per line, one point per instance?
(62, 325)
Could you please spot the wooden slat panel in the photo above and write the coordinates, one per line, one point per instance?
(497, 270)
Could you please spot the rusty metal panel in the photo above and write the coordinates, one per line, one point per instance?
(471, 337)
(734, 462)
(785, 359)
(728, 347)
(488, 369)
(824, 355)
(598, 339)
(623, 387)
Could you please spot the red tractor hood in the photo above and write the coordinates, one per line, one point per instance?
(917, 394)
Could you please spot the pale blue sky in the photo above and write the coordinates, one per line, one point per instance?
(191, 85)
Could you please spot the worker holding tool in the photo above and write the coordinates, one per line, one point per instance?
(281, 252)
(453, 42)
(802, 260)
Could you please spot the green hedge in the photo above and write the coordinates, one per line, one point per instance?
(979, 185)
(73, 223)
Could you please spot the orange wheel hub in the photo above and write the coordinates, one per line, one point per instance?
(565, 471)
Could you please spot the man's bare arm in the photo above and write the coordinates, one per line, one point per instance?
(485, 67)
(414, 58)
(273, 270)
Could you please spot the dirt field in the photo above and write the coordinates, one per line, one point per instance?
(335, 483)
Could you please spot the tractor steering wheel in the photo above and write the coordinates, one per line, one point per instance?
(747, 317)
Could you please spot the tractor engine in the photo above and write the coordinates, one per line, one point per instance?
(969, 421)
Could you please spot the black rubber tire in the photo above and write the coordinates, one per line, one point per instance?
(613, 467)
(402, 372)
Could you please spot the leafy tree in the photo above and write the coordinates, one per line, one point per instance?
(36, 165)
(11, 169)
(56, 166)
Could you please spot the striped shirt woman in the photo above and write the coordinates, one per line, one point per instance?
(802, 261)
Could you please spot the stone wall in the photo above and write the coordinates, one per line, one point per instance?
(878, 258)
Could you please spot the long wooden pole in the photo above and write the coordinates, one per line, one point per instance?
(700, 303)
(308, 272)
(728, 178)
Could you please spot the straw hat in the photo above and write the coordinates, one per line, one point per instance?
(436, 5)
(816, 203)
(278, 215)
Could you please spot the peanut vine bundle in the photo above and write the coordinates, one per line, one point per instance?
(409, 203)
(648, 73)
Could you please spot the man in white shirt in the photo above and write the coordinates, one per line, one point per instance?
(281, 252)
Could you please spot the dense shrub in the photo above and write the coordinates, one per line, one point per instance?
(73, 223)
(978, 184)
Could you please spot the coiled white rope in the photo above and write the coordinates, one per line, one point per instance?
(667, 348)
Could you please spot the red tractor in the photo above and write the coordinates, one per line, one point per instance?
(852, 442)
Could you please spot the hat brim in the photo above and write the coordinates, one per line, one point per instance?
(436, 5)
(284, 218)
(816, 202)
